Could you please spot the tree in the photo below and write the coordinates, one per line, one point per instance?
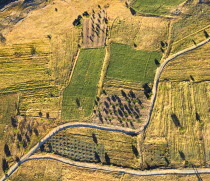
(133, 12)
(86, 14)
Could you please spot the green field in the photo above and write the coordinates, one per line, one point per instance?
(78, 97)
(132, 65)
(156, 7)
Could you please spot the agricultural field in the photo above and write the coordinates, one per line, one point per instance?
(185, 33)
(112, 148)
(178, 131)
(142, 33)
(79, 96)
(157, 7)
(19, 60)
(193, 66)
(64, 49)
(43, 103)
(132, 65)
(95, 30)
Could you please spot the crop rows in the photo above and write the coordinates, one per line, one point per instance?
(75, 148)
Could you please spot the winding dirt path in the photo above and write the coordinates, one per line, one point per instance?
(116, 129)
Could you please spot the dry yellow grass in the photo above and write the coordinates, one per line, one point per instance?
(178, 126)
(45, 170)
(193, 66)
(145, 32)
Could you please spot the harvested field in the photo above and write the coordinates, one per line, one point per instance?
(178, 131)
(112, 148)
(95, 30)
(142, 33)
(132, 65)
(46, 170)
(193, 66)
(20, 60)
(79, 96)
(43, 102)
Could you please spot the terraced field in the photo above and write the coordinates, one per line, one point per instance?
(79, 96)
(24, 66)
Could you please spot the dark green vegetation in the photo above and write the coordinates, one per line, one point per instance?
(78, 97)
(155, 7)
(132, 65)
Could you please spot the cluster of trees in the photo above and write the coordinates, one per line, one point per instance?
(123, 108)
(20, 138)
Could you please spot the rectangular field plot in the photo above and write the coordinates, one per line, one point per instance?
(75, 149)
(78, 97)
(132, 65)
(156, 7)
(95, 30)
(24, 66)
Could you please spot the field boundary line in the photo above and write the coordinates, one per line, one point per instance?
(104, 69)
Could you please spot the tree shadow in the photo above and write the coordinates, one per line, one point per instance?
(206, 34)
(94, 138)
(133, 12)
(175, 120)
(197, 116)
(14, 122)
(135, 151)
(182, 155)
(7, 150)
(107, 159)
(123, 93)
(157, 62)
(5, 165)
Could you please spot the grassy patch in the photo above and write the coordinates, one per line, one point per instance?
(79, 96)
(132, 65)
(155, 7)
